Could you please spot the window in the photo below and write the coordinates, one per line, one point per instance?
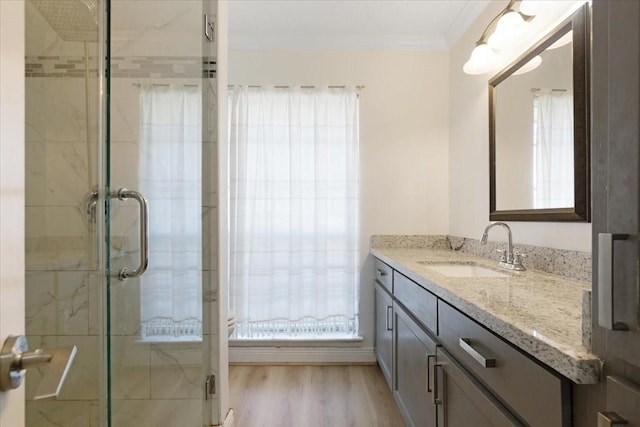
(553, 183)
(294, 212)
(170, 165)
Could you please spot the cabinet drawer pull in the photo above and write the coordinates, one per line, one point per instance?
(465, 344)
(389, 324)
(381, 272)
(429, 357)
(436, 393)
(610, 419)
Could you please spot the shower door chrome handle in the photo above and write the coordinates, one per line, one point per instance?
(124, 194)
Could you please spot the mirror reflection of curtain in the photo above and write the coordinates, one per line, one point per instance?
(553, 149)
(294, 212)
(171, 179)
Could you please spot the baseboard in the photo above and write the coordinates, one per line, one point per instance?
(301, 355)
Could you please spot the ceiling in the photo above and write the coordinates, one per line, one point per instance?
(350, 24)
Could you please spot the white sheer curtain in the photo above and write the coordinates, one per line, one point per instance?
(294, 212)
(553, 149)
(171, 179)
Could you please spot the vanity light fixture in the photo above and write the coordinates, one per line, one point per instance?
(508, 26)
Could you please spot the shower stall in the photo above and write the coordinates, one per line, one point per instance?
(121, 210)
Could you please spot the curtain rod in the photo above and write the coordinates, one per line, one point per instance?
(537, 89)
(302, 86)
(165, 85)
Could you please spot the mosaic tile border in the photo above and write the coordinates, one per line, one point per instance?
(135, 67)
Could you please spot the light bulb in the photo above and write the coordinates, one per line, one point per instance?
(483, 59)
(529, 66)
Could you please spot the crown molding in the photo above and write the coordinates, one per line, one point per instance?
(462, 22)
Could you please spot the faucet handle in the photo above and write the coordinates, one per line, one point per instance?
(519, 254)
(503, 255)
(517, 260)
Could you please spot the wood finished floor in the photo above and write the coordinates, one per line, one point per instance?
(310, 396)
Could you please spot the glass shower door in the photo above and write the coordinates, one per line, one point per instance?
(158, 220)
(120, 95)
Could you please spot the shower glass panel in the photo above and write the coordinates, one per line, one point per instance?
(64, 271)
(158, 139)
(141, 119)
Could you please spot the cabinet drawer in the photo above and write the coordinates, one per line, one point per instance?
(384, 274)
(539, 396)
(420, 302)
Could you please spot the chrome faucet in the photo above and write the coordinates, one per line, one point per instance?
(511, 260)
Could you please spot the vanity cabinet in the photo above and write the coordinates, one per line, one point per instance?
(414, 354)
(384, 331)
(446, 369)
(616, 217)
(539, 396)
(462, 400)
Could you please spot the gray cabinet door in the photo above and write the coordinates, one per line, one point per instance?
(463, 401)
(623, 403)
(384, 332)
(414, 354)
(616, 177)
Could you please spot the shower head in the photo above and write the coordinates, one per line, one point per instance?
(73, 20)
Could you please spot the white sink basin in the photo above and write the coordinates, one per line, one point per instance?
(465, 270)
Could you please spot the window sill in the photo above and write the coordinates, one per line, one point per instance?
(170, 340)
(298, 342)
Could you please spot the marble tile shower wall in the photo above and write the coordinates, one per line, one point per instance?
(62, 278)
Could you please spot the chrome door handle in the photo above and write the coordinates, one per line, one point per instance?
(485, 362)
(15, 359)
(124, 194)
(389, 324)
(381, 272)
(605, 281)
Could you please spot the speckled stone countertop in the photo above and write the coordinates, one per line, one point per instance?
(538, 312)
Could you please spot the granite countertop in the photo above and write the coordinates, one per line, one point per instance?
(541, 313)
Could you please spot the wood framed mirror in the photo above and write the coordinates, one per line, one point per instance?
(539, 130)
